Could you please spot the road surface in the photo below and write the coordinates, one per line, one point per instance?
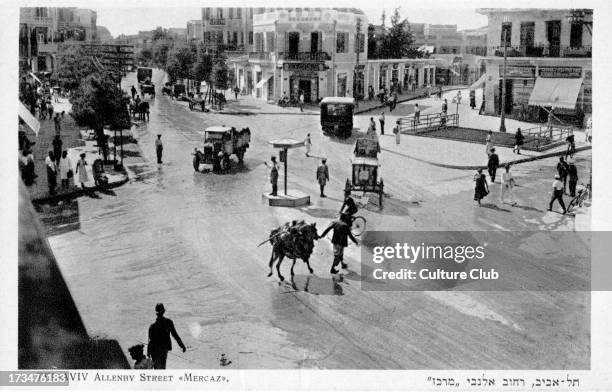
(189, 240)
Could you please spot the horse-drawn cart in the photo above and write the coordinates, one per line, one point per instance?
(220, 143)
(365, 176)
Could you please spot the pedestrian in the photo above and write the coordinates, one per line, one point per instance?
(159, 149)
(307, 144)
(562, 171)
(458, 98)
(571, 144)
(42, 115)
(81, 170)
(507, 186)
(196, 160)
(381, 120)
(301, 101)
(481, 188)
(381, 95)
(493, 164)
(65, 169)
(50, 109)
(518, 141)
(159, 338)
(51, 172)
(140, 361)
(444, 106)
(417, 114)
(396, 131)
(57, 123)
(133, 90)
(340, 236)
(57, 148)
(322, 176)
(370, 93)
(472, 99)
(572, 173)
(557, 194)
(372, 125)
(236, 92)
(273, 176)
(26, 164)
(489, 143)
(395, 98)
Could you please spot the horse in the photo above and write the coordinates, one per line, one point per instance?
(294, 241)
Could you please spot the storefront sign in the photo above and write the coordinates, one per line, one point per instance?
(310, 67)
(560, 72)
(518, 71)
(360, 66)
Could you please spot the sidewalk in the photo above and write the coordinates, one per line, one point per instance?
(73, 143)
(249, 105)
(366, 105)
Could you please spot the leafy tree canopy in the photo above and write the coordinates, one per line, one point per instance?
(72, 65)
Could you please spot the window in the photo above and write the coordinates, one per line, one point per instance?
(361, 41)
(250, 38)
(342, 43)
(219, 13)
(231, 13)
(242, 38)
(238, 13)
(506, 34)
(235, 38)
(527, 34)
(576, 35)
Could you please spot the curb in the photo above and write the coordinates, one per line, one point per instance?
(476, 167)
(77, 192)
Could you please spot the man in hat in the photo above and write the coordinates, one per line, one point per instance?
(322, 175)
(493, 164)
(342, 232)
(159, 148)
(159, 338)
(557, 193)
(273, 175)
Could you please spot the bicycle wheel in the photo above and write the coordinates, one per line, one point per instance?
(358, 226)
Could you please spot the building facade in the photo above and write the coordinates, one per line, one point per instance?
(228, 29)
(195, 30)
(42, 29)
(548, 63)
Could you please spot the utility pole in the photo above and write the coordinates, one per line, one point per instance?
(356, 77)
(502, 125)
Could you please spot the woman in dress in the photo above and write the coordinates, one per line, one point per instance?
(308, 145)
(482, 188)
(396, 131)
(65, 166)
(489, 143)
(81, 170)
(507, 186)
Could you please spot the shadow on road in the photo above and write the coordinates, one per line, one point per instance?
(315, 285)
(494, 207)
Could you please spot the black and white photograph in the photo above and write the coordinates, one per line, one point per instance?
(237, 186)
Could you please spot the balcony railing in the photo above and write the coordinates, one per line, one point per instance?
(42, 20)
(216, 22)
(47, 48)
(304, 56)
(263, 56)
(541, 51)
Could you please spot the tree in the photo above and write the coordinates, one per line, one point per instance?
(398, 38)
(220, 74)
(202, 67)
(145, 57)
(72, 65)
(160, 50)
(181, 59)
(98, 102)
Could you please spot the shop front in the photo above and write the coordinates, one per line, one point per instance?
(303, 78)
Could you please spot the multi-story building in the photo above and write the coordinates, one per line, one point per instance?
(312, 50)
(195, 30)
(228, 29)
(548, 63)
(43, 28)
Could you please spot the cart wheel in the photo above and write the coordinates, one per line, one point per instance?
(358, 226)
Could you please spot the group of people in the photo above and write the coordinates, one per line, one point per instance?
(507, 184)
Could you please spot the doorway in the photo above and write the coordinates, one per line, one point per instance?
(315, 42)
(304, 86)
(294, 42)
(553, 33)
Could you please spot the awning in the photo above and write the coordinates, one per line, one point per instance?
(479, 83)
(262, 82)
(426, 49)
(35, 78)
(556, 92)
(28, 118)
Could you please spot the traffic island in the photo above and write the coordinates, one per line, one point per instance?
(293, 198)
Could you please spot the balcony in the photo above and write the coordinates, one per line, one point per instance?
(216, 22)
(261, 56)
(42, 20)
(304, 56)
(47, 48)
(541, 51)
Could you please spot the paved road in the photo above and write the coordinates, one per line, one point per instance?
(189, 240)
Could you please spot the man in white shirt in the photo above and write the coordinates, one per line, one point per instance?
(507, 186)
(417, 113)
(557, 194)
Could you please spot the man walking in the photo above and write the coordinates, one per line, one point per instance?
(322, 176)
(301, 101)
(57, 123)
(572, 173)
(57, 148)
(493, 164)
(445, 106)
(159, 338)
(159, 148)
(562, 170)
(557, 194)
(342, 231)
(381, 120)
(51, 172)
(417, 114)
(133, 89)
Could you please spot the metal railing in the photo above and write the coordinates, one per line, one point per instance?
(265, 56)
(216, 21)
(545, 135)
(430, 122)
(542, 51)
(305, 56)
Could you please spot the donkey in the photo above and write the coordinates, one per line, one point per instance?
(293, 241)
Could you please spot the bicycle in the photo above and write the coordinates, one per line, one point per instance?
(584, 192)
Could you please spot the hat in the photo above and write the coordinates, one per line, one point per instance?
(83, 155)
(324, 160)
(557, 177)
(159, 308)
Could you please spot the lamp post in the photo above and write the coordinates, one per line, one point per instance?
(502, 125)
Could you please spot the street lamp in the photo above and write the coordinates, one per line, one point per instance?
(502, 125)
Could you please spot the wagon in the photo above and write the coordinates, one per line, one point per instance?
(220, 143)
(337, 116)
(365, 176)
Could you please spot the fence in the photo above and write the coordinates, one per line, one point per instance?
(429, 122)
(540, 136)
